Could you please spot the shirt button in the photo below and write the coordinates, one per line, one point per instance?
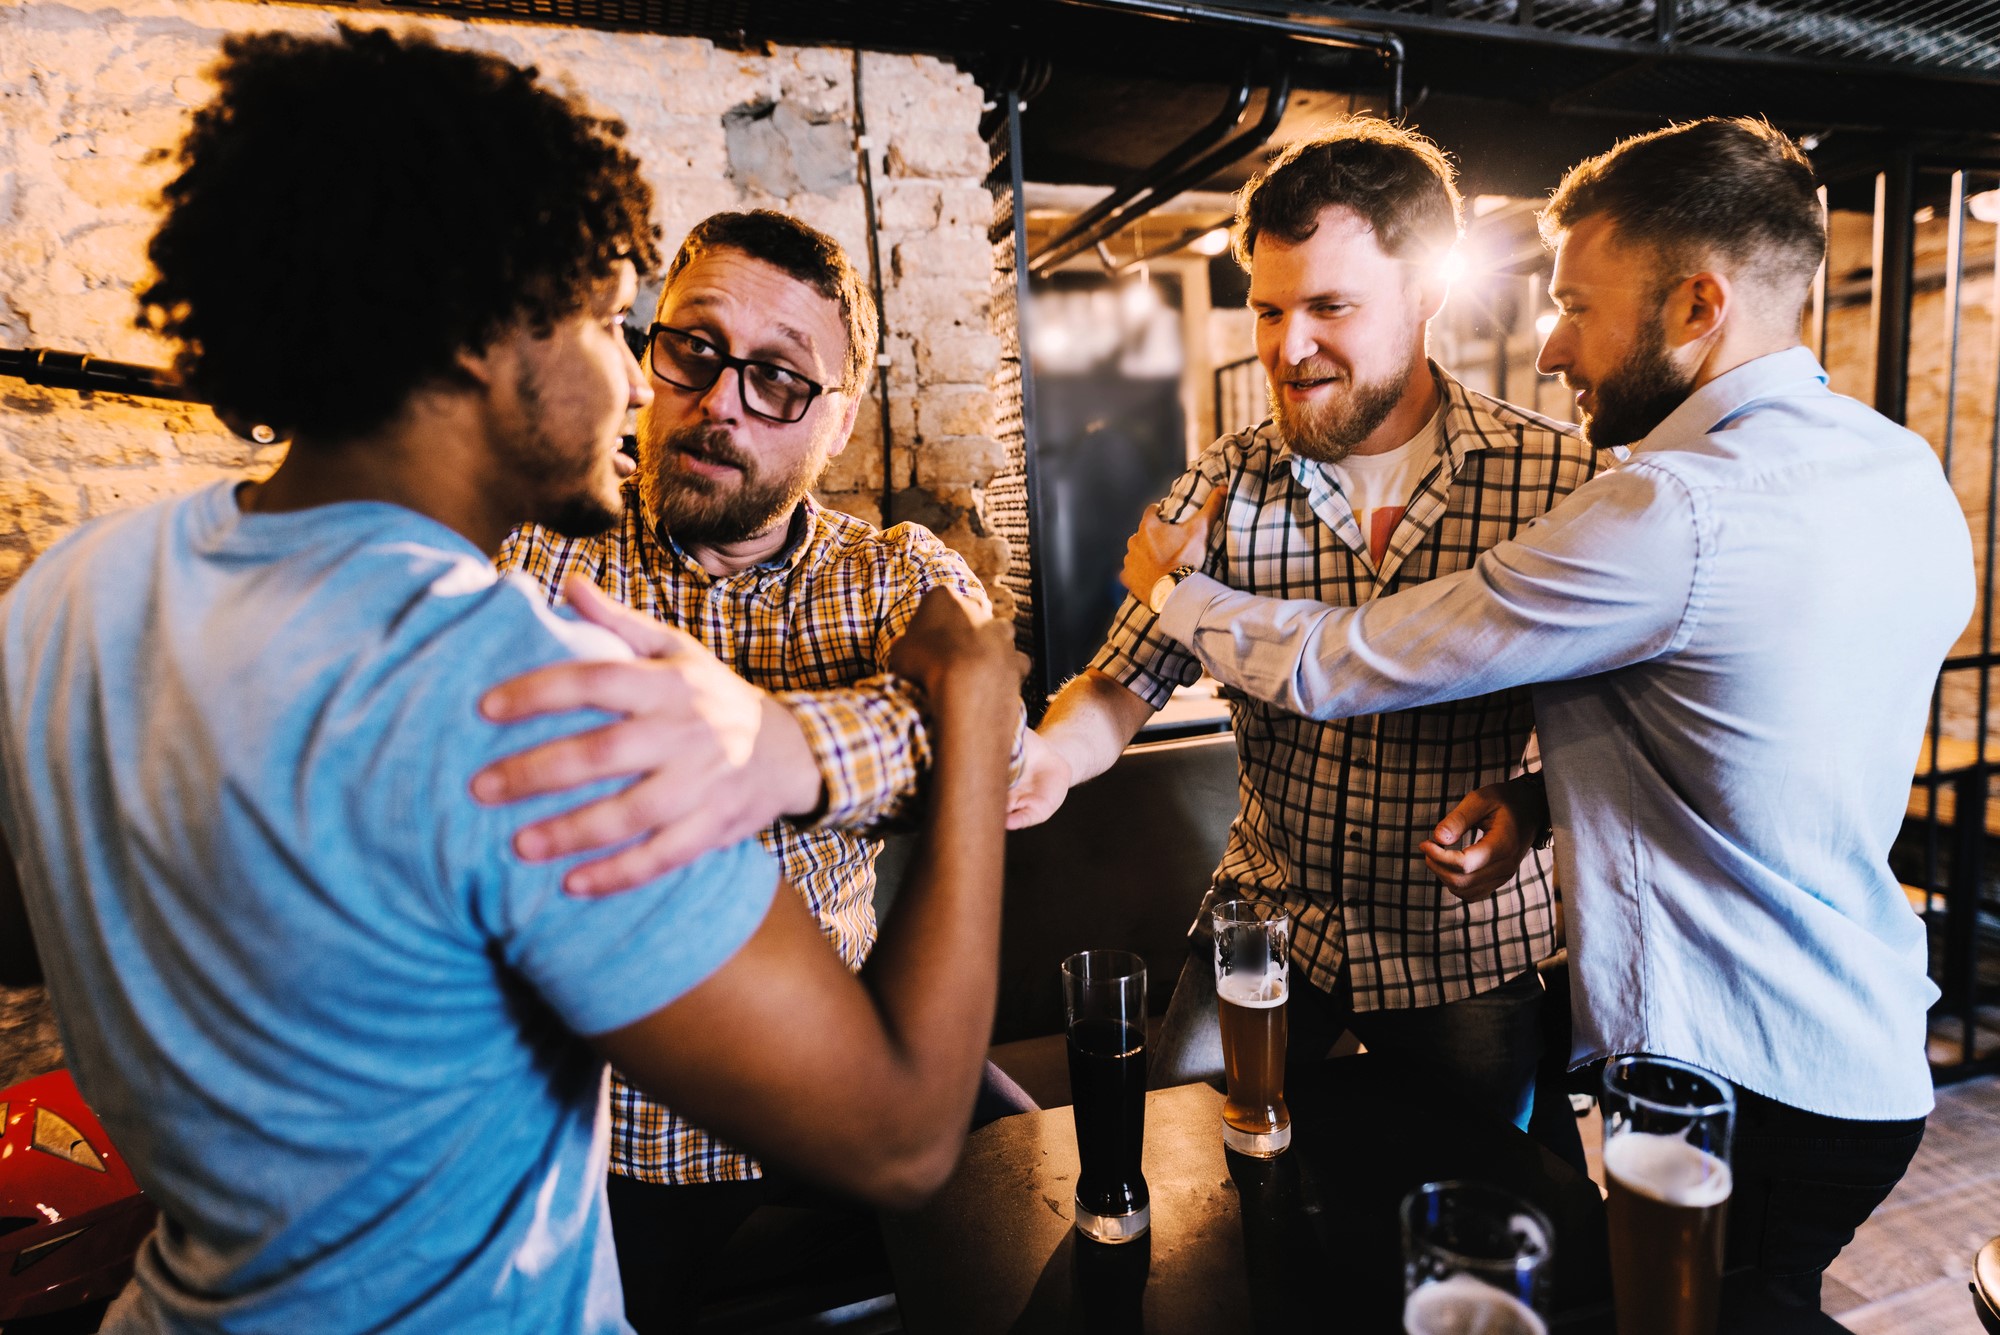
(1354, 836)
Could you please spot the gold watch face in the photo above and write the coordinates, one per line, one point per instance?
(1163, 588)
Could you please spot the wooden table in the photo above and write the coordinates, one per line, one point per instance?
(1305, 1242)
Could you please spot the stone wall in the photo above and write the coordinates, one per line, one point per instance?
(90, 95)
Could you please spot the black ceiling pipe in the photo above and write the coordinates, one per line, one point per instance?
(1386, 44)
(1193, 148)
(1161, 188)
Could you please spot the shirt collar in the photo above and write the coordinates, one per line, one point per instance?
(1714, 404)
(1438, 428)
(798, 542)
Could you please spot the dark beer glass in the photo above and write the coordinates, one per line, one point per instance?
(1253, 970)
(1104, 993)
(1667, 1129)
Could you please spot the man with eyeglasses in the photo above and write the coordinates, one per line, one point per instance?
(758, 358)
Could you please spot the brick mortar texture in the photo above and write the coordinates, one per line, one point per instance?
(91, 95)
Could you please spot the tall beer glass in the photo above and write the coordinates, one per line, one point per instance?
(1253, 971)
(1475, 1259)
(1104, 993)
(1667, 1128)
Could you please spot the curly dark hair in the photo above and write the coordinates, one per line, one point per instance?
(1730, 187)
(805, 253)
(1394, 177)
(354, 211)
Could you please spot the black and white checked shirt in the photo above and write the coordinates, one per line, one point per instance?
(1332, 813)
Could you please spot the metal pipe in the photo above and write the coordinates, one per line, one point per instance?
(1820, 304)
(1179, 243)
(864, 149)
(82, 371)
(87, 374)
(1194, 145)
(1894, 246)
(1954, 291)
(1387, 44)
(1161, 191)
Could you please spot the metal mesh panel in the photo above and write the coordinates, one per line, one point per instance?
(1945, 34)
(1006, 501)
(1922, 34)
(1627, 20)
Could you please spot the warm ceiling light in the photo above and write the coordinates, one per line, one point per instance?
(1212, 242)
(1985, 206)
(1485, 204)
(1545, 323)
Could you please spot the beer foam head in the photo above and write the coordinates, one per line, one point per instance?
(1668, 1169)
(1254, 990)
(1462, 1305)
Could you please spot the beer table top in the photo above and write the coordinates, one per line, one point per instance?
(1308, 1241)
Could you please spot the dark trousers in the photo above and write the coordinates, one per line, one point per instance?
(670, 1239)
(1803, 1184)
(1484, 1047)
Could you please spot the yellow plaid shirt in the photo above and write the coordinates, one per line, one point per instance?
(813, 626)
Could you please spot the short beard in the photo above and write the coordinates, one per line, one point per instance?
(560, 496)
(1329, 433)
(696, 510)
(1637, 394)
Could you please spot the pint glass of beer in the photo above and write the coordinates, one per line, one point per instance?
(1667, 1127)
(1104, 993)
(1475, 1258)
(1253, 972)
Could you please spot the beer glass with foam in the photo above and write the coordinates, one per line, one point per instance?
(1253, 971)
(1104, 994)
(1475, 1259)
(1667, 1128)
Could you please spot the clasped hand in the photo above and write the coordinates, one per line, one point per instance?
(1160, 546)
(712, 759)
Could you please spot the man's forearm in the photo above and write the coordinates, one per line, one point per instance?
(1091, 722)
(935, 971)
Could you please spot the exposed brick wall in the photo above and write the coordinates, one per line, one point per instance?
(91, 94)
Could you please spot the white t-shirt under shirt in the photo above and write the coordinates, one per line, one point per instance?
(1378, 487)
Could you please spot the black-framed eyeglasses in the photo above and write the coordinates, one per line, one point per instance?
(689, 361)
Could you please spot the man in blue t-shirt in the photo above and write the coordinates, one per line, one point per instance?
(352, 1043)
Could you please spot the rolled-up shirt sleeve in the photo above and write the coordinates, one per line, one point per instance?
(1612, 575)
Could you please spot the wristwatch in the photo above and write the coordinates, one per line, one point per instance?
(1164, 586)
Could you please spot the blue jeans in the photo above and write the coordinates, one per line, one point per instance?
(1484, 1047)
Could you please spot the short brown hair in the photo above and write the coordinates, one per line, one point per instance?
(1394, 177)
(805, 253)
(1734, 187)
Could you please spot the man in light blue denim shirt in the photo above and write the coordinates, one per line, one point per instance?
(1732, 675)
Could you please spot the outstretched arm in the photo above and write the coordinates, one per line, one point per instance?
(1089, 724)
(1607, 578)
(866, 1084)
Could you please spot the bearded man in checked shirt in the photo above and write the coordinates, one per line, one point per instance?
(1377, 471)
(758, 356)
